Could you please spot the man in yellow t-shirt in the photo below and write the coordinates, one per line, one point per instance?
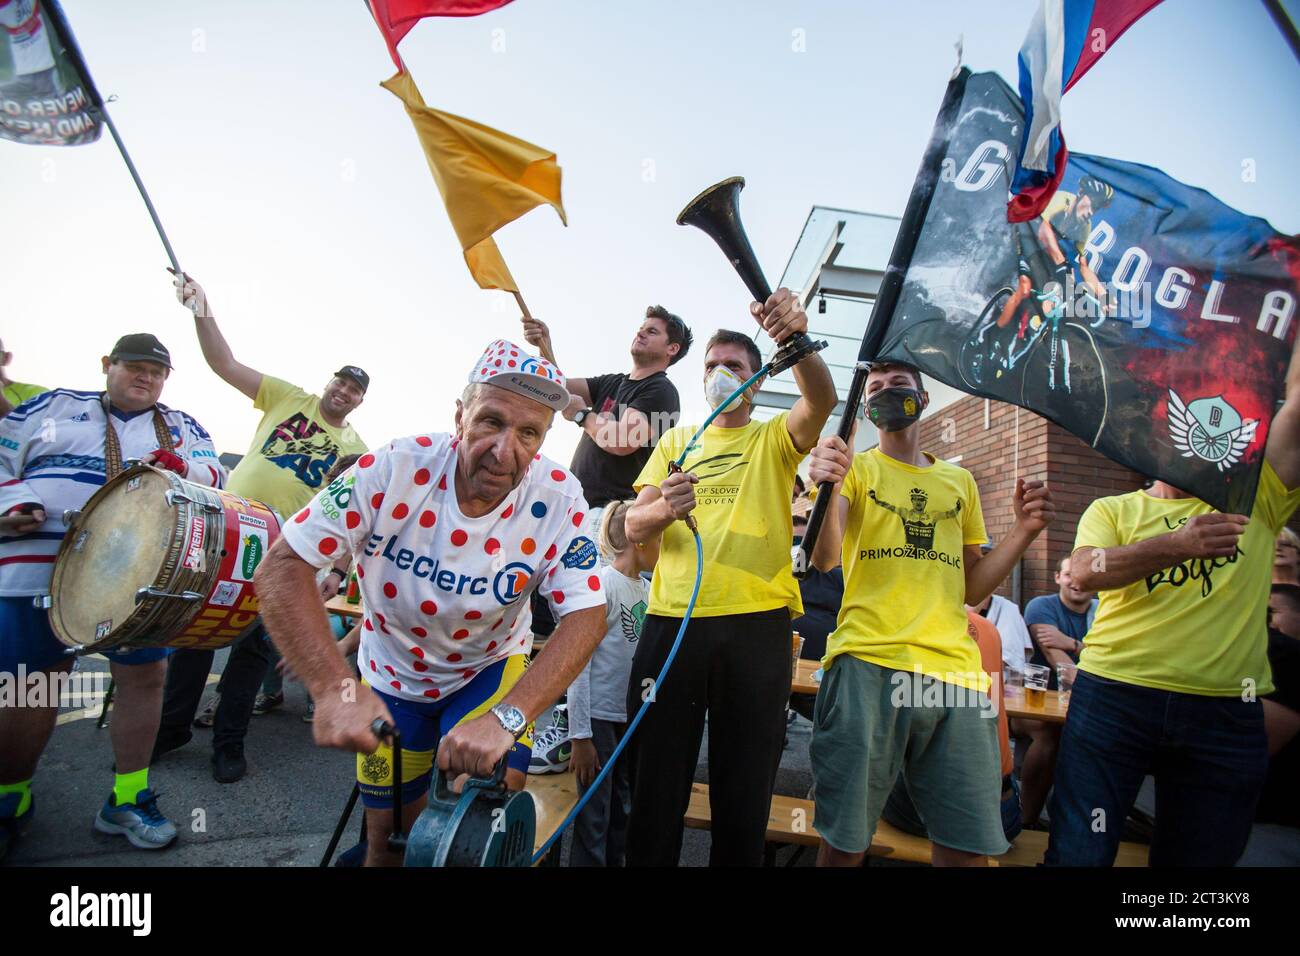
(13, 394)
(735, 660)
(297, 442)
(1175, 663)
(904, 688)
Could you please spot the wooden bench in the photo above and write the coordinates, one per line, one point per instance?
(790, 822)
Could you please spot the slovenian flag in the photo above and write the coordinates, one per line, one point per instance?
(1065, 39)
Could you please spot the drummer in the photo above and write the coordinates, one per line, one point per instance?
(452, 533)
(55, 450)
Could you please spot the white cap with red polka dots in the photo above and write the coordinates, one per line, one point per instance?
(506, 365)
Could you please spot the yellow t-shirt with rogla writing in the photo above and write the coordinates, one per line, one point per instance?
(1201, 626)
(904, 572)
(743, 512)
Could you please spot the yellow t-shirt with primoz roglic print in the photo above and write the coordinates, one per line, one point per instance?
(1201, 626)
(904, 571)
(742, 507)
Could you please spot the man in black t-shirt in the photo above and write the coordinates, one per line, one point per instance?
(621, 415)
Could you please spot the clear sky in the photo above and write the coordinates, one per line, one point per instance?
(293, 187)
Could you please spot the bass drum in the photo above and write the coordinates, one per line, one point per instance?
(153, 560)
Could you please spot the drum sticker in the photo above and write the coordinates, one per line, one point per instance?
(133, 483)
(226, 594)
(194, 559)
(81, 541)
(252, 547)
(103, 628)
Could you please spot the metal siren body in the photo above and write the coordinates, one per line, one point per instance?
(716, 212)
(485, 825)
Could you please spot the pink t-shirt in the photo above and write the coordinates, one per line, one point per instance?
(446, 595)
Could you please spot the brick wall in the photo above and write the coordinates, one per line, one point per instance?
(1013, 443)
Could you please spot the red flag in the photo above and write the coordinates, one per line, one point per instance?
(396, 17)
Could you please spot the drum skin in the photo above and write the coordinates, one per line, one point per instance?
(195, 547)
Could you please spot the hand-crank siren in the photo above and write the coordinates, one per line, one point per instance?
(717, 212)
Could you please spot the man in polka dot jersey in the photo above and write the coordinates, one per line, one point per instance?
(451, 534)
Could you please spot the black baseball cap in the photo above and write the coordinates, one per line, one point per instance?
(141, 347)
(357, 375)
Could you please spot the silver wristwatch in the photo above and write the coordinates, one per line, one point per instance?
(512, 719)
(581, 416)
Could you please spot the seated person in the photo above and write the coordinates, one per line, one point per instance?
(899, 809)
(1286, 558)
(822, 592)
(1057, 624)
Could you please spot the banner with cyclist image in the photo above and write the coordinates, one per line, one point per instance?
(46, 95)
(1140, 313)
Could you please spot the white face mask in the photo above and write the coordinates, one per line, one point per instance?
(721, 383)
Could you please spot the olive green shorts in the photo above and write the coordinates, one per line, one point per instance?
(869, 722)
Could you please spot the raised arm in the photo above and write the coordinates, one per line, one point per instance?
(538, 335)
(1283, 451)
(216, 351)
(831, 461)
(782, 316)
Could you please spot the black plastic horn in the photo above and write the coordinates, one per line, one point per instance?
(716, 212)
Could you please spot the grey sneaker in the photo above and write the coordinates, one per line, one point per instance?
(208, 715)
(551, 748)
(142, 823)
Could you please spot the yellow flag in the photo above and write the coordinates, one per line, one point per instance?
(487, 178)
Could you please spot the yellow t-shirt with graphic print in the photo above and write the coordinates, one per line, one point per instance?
(743, 512)
(292, 450)
(1201, 626)
(904, 573)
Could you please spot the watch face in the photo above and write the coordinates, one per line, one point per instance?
(512, 718)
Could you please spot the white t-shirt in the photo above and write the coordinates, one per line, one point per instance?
(1017, 646)
(600, 691)
(446, 595)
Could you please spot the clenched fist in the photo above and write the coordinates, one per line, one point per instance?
(1211, 535)
(781, 316)
(678, 490)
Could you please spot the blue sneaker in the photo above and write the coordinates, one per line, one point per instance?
(13, 826)
(142, 823)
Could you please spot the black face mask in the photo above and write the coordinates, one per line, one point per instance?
(893, 409)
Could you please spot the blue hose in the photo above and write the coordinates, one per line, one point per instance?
(672, 653)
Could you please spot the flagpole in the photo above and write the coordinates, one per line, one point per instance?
(882, 310)
(64, 33)
(1284, 25)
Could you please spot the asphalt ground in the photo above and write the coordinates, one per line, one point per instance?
(281, 813)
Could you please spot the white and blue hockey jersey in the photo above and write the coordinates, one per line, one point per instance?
(52, 455)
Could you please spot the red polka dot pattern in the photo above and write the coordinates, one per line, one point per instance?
(459, 537)
(401, 511)
(577, 520)
(460, 635)
(351, 519)
(418, 632)
(508, 512)
(435, 693)
(365, 461)
(424, 441)
(302, 515)
(427, 519)
(390, 590)
(557, 475)
(550, 553)
(557, 597)
(422, 476)
(376, 500)
(593, 582)
(473, 615)
(428, 607)
(454, 658)
(328, 545)
(492, 546)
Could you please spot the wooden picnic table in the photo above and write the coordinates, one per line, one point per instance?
(339, 605)
(1052, 710)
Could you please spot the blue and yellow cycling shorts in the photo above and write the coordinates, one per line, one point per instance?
(425, 722)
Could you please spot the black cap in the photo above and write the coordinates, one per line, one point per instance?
(357, 375)
(141, 347)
